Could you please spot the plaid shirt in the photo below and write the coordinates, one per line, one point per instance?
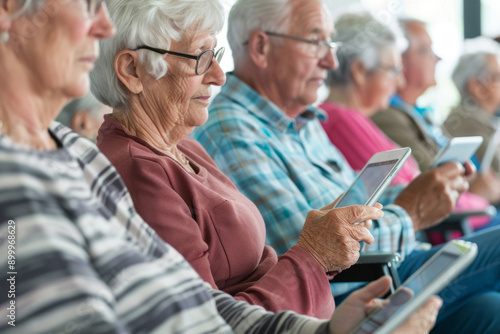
(86, 262)
(288, 167)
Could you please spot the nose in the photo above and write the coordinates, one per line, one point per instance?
(215, 75)
(102, 27)
(436, 57)
(400, 80)
(330, 61)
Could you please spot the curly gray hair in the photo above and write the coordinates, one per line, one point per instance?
(363, 38)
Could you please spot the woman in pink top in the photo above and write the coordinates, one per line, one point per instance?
(157, 75)
(367, 76)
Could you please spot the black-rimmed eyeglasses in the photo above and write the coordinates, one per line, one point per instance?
(94, 6)
(203, 60)
(322, 47)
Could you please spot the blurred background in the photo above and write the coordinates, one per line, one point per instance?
(450, 22)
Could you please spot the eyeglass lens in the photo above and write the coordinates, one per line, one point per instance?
(94, 6)
(322, 50)
(205, 60)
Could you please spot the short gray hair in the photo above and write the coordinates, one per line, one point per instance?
(87, 103)
(363, 38)
(404, 22)
(152, 22)
(247, 16)
(470, 66)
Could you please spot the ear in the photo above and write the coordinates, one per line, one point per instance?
(358, 72)
(127, 70)
(7, 8)
(80, 122)
(259, 47)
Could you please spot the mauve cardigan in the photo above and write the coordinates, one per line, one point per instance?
(217, 229)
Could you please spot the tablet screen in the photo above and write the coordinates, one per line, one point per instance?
(403, 295)
(368, 181)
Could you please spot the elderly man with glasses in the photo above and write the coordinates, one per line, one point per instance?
(263, 132)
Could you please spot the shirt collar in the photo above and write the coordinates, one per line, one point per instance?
(416, 111)
(239, 92)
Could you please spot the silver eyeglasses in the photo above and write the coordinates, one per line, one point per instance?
(322, 47)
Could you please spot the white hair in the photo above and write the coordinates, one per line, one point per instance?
(155, 23)
(470, 66)
(404, 23)
(363, 39)
(247, 16)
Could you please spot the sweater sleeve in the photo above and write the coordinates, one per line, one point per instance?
(247, 319)
(296, 282)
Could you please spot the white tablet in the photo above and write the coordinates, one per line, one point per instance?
(428, 280)
(491, 151)
(458, 149)
(374, 178)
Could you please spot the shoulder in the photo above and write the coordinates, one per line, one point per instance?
(229, 121)
(226, 115)
(462, 123)
(392, 115)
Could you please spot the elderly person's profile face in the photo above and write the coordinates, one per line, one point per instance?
(183, 92)
(294, 64)
(59, 44)
(181, 97)
(488, 89)
(419, 60)
(380, 84)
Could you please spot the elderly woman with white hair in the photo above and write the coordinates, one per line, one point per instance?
(477, 78)
(157, 75)
(365, 79)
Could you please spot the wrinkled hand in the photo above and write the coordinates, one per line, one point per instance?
(432, 195)
(332, 237)
(360, 303)
(486, 185)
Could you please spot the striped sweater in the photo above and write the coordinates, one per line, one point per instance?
(83, 261)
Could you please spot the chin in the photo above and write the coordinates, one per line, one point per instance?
(201, 117)
(78, 89)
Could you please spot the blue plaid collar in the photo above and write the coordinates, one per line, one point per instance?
(240, 93)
